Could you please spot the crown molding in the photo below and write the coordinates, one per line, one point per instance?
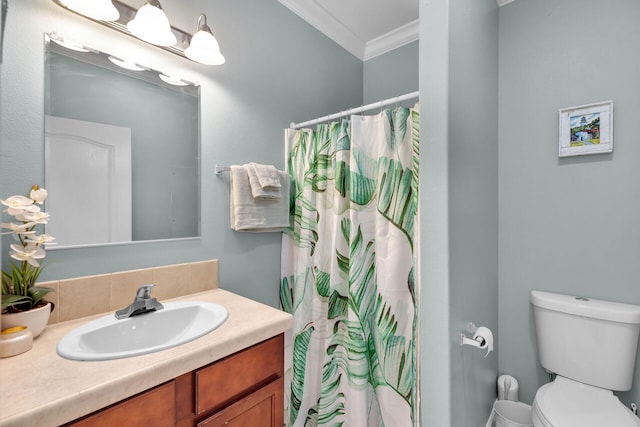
(392, 40)
(331, 27)
(327, 24)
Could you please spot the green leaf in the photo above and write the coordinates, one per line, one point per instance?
(396, 200)
(323, 283)
(342, 177)
(338, 305)
(362, 178)
(286, 294)
(304, 230)
(37, 293)
(300, 349)
(397, 121)
(11, 300)
(292, 290)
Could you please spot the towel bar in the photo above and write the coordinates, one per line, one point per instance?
(219, 169)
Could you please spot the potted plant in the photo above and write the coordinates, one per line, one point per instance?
(21, 298)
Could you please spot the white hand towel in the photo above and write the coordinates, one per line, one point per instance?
(257, 215)
(267, 175)
(257, 190)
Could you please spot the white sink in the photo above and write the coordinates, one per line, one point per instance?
(108, 338)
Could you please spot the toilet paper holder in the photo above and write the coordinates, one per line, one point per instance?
(482, 338)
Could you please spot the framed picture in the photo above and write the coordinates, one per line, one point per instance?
(586, 129)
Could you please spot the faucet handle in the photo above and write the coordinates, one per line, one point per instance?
(144, 291)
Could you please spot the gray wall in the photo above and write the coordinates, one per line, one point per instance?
(566, 225)
(392, 74)
(279, 69)
(459, 204)
(473, 201)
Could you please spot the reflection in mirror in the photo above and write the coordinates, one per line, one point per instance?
(122, 146)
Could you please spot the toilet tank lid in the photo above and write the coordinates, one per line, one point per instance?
(587, 307)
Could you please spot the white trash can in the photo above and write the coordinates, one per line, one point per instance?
(512, 414)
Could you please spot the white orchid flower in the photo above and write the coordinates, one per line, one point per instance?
(38, 217)
(29, 253)
(42, 239)
(38, 194)
(19, 204)
(17, 228)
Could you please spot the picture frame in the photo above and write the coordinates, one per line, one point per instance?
(586, 129)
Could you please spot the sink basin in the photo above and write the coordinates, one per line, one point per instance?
(108, 338)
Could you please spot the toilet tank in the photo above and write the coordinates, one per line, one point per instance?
(591, 341)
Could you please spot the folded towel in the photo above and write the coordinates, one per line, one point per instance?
(257, 190)
(267, 175)
(257, 215)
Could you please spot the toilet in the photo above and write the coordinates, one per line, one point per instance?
(591, 346)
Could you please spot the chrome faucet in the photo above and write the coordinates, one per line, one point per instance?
(142, 303)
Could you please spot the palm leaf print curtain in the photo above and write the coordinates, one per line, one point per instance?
(348, 265)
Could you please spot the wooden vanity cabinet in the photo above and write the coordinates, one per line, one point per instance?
(245, 389)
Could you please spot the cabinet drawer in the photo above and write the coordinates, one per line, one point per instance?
(262, 408)
(155, 407)
(233, 378)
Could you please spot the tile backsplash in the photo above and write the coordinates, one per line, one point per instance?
(86, 296)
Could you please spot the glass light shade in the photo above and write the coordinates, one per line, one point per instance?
(151, 25)
(102, 10)
(204, 49)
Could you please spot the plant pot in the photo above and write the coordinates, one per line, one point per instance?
(35, 319)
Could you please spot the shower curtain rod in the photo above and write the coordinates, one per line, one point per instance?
(378, 104)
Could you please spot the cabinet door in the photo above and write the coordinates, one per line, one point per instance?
(228, 380)
(153, 408)
(263, 408)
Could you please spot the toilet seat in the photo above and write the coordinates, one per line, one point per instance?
(568, 403)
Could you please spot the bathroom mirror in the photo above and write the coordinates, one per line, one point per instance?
(122, 149)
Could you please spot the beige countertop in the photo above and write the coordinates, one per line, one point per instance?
(39, 388)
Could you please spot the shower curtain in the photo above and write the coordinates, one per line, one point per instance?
(348, 271)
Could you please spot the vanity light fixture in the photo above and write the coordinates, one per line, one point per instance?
(150, 24)
(102, 10)
(204, 47)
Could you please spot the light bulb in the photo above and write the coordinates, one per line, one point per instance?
(151, 25)
(102, 10)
